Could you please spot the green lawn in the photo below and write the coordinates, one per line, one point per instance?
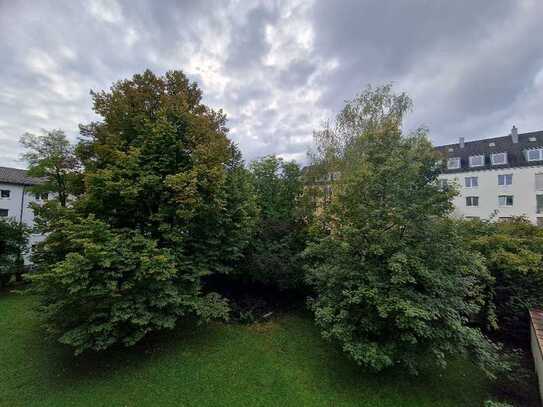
(280, 363)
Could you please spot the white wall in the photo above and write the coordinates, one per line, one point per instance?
(523, 189)
(13, 205)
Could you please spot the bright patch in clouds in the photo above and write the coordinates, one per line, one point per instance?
(280, 68)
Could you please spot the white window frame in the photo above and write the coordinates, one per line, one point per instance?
(505, 204)
(471, 182)
(493, 158)
(539, 154)
(471, 201)
(457, 166)
(505, 184)
(472, 157)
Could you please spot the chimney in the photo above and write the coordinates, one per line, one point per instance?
(514, 134)
(461, 142)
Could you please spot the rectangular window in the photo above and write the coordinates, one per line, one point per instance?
(505, 179)
(499, 158)
(505, 200)
(5, 193)
(453, 163)
(3, 213)
(471, 182)
(534, 155)
(476, 160)
(539, 182)
(539, 203)
(472, 201)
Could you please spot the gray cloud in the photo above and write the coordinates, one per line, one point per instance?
(278, 68)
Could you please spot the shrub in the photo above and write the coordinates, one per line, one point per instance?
(13, 246)
(116, 287)
(513, 253)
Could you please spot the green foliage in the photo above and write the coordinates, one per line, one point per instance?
(393, 277)
(513, 253)
(115, 287)
(161, 173)
(52, 157)
(13, 245)
(273, 256)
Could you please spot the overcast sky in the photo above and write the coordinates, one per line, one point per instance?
(473, 67)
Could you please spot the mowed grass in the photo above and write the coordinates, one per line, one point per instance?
(280, 363)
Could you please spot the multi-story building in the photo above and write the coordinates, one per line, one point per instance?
(15, 197)
(498, 177)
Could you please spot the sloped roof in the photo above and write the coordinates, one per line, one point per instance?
(515, 151)
(17, 176)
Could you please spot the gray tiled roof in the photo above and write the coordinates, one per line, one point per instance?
(515, 151)
(17, 176)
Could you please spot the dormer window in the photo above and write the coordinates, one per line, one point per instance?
(476, 160)
(534, 155)
(453, 163)
(499, 158)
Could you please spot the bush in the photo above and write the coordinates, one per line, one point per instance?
(273, 255)
(513, 253)
(116, 287)
(13, 246)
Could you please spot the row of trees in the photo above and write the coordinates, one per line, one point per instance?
(155, 199)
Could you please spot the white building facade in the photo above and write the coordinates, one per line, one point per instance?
(15, 197)
(497, 178)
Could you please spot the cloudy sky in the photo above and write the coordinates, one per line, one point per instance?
(278, 68)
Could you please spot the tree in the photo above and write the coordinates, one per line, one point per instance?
(394, 282)
(273, 257)
(160, 173)
(13, 246)
(52, 157)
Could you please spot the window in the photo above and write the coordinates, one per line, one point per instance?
(444, 183)
(534, 155)
(499, 158)
(453, 163)
(43, 196)
(5, 193)
(539, 182)
(471, 182)
(539, 203)
(472, 201)
(476, 160)
(3, 213)
(505, 179)
(505, 200)
(540, 222)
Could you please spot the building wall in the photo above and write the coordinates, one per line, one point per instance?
(13, 205)
(523, 190)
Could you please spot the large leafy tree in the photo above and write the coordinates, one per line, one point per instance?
(52, 157)
(161, 173)
(273, 256)
(394, 282)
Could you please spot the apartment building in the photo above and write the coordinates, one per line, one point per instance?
(15, 197)
(498, 177)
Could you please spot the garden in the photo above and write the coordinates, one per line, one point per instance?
(173, 273)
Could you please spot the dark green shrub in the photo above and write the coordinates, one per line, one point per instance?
(513, 253)
(13, 246)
